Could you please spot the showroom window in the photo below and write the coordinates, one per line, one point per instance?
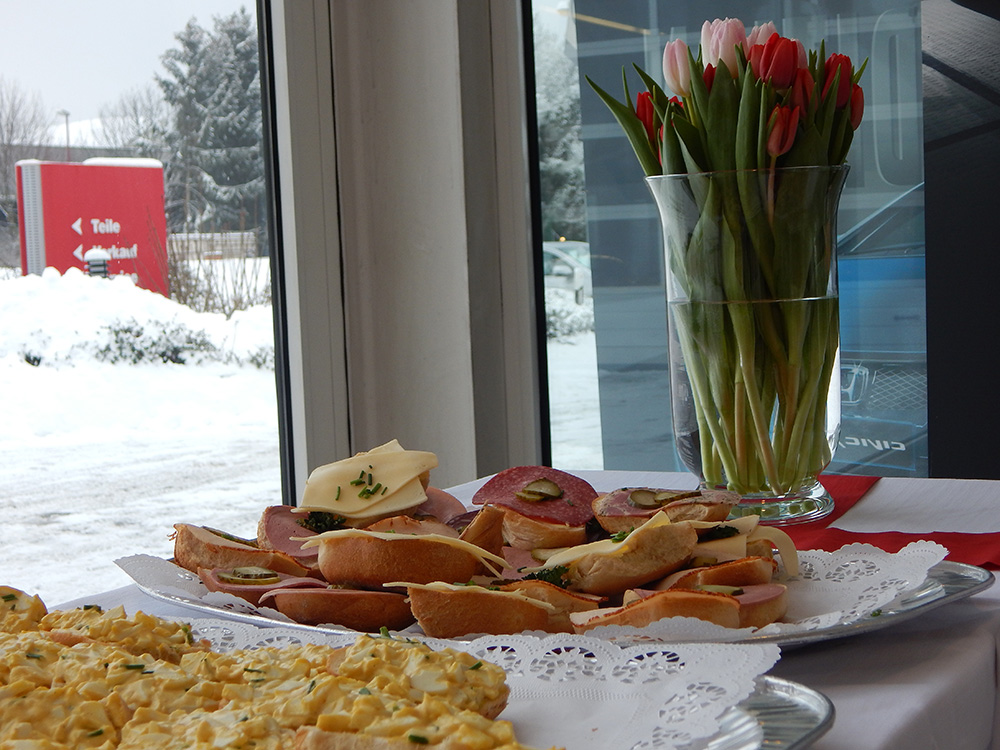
(602, 238)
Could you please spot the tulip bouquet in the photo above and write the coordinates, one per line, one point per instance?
(746, 161)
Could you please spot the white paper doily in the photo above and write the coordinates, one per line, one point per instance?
(832, 588)
(580, 692)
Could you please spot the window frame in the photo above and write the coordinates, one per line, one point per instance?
(468, 386)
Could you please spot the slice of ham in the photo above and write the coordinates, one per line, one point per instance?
(278, 529)
(407, 525)
(440, 505)
(253, 592)
(573, 508)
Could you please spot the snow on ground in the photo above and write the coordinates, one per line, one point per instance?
(100, 459)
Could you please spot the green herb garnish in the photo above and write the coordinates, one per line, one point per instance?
(320, 521)
(718, 532)
(621, 536)
(555, 575)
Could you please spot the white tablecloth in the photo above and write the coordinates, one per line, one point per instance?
(930, 682)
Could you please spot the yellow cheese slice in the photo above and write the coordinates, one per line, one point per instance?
(382, 481)
(781, 540)
(442, 586)
(485, 557)
(570, 555)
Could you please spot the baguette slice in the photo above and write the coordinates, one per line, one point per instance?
(199, 547)
(369, 560)
(747, 571)
(649, 553)
(364, 611)
(721, 609)
(444, 611)
(762, 604)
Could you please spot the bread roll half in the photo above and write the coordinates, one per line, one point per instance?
(198, 547)
(369, 560)
(721, 609)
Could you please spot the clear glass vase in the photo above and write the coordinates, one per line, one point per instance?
(754, 344)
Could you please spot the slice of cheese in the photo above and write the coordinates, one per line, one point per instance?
(487, 558)
(449, 587)
(382, 481)
(570, 555)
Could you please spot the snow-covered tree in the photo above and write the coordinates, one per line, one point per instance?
(560, 150)
(215, 175)
(137, 124)
(24, 121)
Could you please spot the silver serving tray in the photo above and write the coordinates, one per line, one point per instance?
(779, 715)
(946, 582)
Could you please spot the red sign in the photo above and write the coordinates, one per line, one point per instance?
(106, 211)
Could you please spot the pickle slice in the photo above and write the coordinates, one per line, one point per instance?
(647, 498)
(250, 575)
(538, 490)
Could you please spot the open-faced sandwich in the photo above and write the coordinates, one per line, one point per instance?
(373, 545)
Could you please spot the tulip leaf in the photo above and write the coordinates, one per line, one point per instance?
(634, 130)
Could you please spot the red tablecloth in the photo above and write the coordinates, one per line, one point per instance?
(974, 549)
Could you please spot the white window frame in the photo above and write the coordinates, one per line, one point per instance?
(402, 178)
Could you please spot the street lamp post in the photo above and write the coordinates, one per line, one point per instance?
(65, 114)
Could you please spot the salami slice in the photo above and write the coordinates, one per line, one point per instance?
(572, 506)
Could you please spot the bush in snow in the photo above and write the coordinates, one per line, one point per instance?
(564, 317)
(131, 343)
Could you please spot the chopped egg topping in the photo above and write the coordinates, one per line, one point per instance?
(115, 694)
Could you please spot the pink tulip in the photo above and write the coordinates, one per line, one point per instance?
(782, 128)
(645, 112)
(760, 34)
(834, 63)
(719, 40)
(676, 69)
(857, 106)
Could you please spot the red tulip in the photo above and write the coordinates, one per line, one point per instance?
(778, 62)
(781, 130)
(857, 106)
(645, 112)
(709, 76)
(842, 63)
(802, 89)
(754, 57)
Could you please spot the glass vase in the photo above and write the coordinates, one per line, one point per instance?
(754, 344)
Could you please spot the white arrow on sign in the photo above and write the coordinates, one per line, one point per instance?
(79, 252)
(77, 226)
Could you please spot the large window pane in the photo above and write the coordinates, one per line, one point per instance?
(881, 226)
(129, 408)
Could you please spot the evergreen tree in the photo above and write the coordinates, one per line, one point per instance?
(560, 150)
(215, 176)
